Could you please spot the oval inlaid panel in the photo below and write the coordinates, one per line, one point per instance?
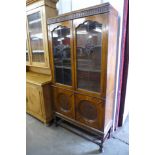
(87, 110)
(64, 102)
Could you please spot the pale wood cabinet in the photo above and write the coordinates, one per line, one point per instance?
(37, 12)
(38, 96)
(83, 48)
(38, 75)
(34, 99)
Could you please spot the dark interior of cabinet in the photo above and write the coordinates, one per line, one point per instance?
(62, 55)
(88, 51)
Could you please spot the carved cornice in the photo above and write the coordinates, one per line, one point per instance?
(98, 9)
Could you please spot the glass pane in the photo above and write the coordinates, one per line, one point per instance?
(36, 37)
(89, 36)
(62, 55)
(27, 56)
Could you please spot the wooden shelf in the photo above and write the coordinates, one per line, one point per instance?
(63, 67)
(38, 51)
(89, 70)
(37, 35)
(38, 79)
(35, 21)
(55, 59)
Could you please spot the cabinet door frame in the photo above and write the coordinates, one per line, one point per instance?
(44, 64)
(51, 27)
(97, 123)
(102, 19)
(70, 95)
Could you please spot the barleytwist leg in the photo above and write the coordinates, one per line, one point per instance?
(109, 133)
(55, 121)
(101, 145)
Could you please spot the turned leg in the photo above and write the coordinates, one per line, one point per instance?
(55, 121)
(101, 145)
(48, 124)
(109, 133)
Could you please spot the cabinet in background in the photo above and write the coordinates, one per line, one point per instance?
(38, 75)
(38, 96)
(37, 12)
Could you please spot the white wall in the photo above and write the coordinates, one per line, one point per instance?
(65, 6)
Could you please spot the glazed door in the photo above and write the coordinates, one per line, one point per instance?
(36, 38)
(27, 48)
(90, 40)
(90, 111)
(61, 48)
(27, 54)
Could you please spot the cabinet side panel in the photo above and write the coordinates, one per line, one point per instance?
(111, 69)
(48, 13)
(48, 104)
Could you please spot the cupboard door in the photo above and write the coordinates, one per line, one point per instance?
(90, 111)
(89, 45)
(34, 99)
(62, 51)
(35, 33)
(64, 102)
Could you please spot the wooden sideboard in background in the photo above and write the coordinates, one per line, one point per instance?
(38, 70)
(38, 96)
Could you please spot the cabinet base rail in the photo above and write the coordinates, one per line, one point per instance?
(90, 136)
